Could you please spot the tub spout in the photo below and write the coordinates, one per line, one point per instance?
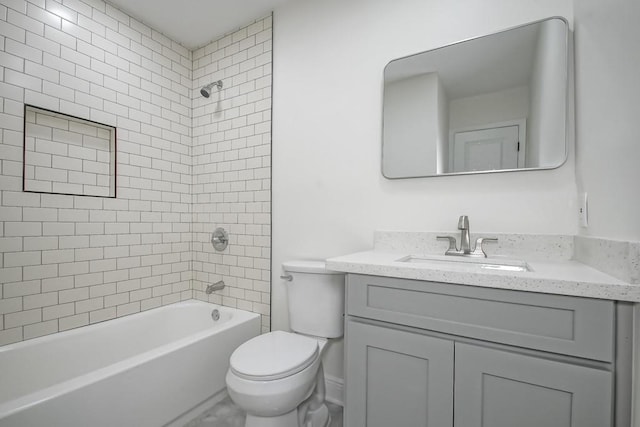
(215, 287)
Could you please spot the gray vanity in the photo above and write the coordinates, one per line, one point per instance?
(439, 345)
(529, 337)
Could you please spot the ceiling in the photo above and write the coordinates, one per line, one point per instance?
(194, 23)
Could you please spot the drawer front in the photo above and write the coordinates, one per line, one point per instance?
(580, 327)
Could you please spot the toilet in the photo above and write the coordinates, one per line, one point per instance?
(277, 377)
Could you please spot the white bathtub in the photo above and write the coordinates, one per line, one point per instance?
(148, 369)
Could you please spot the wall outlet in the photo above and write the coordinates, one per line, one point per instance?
(583, 210)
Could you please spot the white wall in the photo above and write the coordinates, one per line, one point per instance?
(607, 113)
(328, 193)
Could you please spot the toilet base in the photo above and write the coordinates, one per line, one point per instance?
(318, 418)
(290, 419)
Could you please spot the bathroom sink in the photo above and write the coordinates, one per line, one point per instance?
(436, 261)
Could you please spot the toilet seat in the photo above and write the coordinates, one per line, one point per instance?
(273, 356)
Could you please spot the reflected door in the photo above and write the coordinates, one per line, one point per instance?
(486, 149)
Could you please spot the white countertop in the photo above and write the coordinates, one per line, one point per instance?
(551, 277)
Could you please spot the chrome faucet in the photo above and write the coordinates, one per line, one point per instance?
(465, 241)
(215, 287)
(463, 226)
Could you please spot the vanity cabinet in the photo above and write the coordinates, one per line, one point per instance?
(433, 354)
(398, 378)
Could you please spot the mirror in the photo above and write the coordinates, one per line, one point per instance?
(490, 104)
(68, 155)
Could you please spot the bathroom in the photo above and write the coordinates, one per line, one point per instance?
(317, 190)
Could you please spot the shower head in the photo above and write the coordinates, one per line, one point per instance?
(206, 91)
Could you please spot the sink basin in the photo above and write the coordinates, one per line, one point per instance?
(436, 261)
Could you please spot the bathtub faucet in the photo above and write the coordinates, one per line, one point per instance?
(215, 287)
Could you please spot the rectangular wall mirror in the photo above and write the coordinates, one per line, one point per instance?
(68, 155)
(489, 104)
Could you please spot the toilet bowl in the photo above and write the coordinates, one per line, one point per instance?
(277, 378)
(271, 375)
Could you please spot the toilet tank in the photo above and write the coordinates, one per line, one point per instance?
(315, 299)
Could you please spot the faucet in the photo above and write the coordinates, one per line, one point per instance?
(465, 241)
(463, 226)
(215, 287)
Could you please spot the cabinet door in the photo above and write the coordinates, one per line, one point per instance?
(496, 388)
(397, 378)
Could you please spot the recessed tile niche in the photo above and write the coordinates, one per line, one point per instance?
(68, 155)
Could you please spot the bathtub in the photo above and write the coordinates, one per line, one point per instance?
(149, 369)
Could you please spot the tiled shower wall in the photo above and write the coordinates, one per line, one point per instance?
(232, 168)
(68, 261)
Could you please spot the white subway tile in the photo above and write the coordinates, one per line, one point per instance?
(76, 31)
(71, 322)
(40, 300)
(21, 318)
(90, 279)
(89, 305)
(102, 315)
(91, 25)
(19, 289)
(11, 61)
(11, 31)
(102, 290)
(10, 336)
(68, 242)
(39, 214)
(60, 37)
(22, 229)
(57, 256)
(11, 213)
(87, 254)
(73, 268)
(56, 229)
(39, 329)
(57, 284)
(116, 299)
(19, 259)
(72, 295)
(102, 265)
(23, 80)
(58, 311)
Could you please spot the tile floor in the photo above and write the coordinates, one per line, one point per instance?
(226, 414)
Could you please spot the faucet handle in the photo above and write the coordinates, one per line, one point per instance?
(479, 250)
(452, 242)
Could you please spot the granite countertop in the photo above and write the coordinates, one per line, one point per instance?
(562, 277)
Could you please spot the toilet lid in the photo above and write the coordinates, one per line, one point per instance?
(273, 356)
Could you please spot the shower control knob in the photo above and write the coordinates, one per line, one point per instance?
(220, 239)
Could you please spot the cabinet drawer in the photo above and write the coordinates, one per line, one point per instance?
(580, 327)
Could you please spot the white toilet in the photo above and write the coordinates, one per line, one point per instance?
(277, 378)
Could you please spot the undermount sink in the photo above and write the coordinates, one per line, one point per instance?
(500, 264)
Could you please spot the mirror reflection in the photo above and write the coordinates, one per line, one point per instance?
(489, 104)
